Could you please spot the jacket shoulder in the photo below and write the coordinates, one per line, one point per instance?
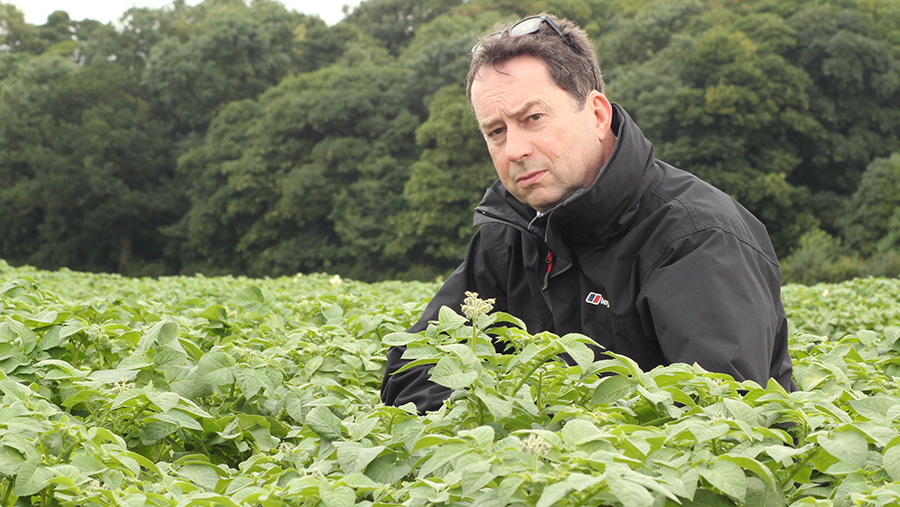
(690, 206)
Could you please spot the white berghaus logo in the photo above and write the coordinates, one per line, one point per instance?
(597, 299)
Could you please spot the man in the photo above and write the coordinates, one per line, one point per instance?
(585, 231)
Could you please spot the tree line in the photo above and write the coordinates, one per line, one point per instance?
(247, 138)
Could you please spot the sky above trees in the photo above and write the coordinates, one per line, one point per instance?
(36, 11)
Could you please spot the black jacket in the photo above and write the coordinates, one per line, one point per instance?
(650, 261)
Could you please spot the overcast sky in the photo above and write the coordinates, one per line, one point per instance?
(36, 11)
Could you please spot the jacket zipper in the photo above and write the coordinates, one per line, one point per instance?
(549, 267)
(526, 230)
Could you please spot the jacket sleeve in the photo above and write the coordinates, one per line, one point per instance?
(715, 300)
(477, 273)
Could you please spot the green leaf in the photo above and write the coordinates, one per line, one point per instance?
(178, 418)
(252, 300)
(32, 477)
(890, 460)
(88, 464)
(156, 431)
(499, 407)
(10, 460)
(508, 488)
(754, 466)
(449, 320)
(432, 440)
(442, 455)
(401, 339)
(783, 453)
(554, 493)
(511, 319)
(701, 430)
(263, 438)
(848, 446)
(581, 482)
(113, 376)
(742, 411)
(476, 474)
(449, 372)
(867, 337)
(629, 493)
(27, 337)
(57, 335)
(159, 334)
(215, 313)
(655, 396)
(323, 421)
(463, 351)
(362, 427)
(203, 475)
(47, 317)
(611, 389)
(215, 368)
(574, 345)
(482, 435)
(137, 361)
(579, 431)
(249, 380)
(761, 494)
(727, 478)
(341, 496)
(874, 408)
(163, 400)
(354, 457)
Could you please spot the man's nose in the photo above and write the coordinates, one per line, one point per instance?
(518, 144)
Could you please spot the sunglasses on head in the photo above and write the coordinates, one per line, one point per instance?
(531, 25)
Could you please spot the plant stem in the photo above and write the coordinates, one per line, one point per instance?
(134, 418)
(231, 391)
(161, 450)
(7, 490)
(522, 380)
(791, 472)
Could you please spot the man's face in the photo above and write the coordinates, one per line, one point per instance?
(543, 147)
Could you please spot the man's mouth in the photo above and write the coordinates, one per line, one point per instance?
(529, 178)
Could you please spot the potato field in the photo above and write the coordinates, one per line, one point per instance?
(227, 391)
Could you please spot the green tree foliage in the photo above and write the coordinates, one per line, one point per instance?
(307, 177)
(719, 99)
(394, 23)
(233, 52)
(85, 168)
(16, 35)
(856, 96)
(872, 211)
(243, 137)
(820, 257)
(444, 186)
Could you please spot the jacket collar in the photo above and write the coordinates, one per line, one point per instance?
(591, 215)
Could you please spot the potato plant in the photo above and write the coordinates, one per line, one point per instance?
(228, 391)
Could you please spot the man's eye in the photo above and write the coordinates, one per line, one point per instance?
(536, 116)
(496, 132)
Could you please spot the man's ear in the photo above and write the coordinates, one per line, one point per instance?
(602, 114)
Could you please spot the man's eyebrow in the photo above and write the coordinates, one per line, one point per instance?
(518, 112)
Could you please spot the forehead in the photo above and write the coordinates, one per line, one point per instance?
(519, 80)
